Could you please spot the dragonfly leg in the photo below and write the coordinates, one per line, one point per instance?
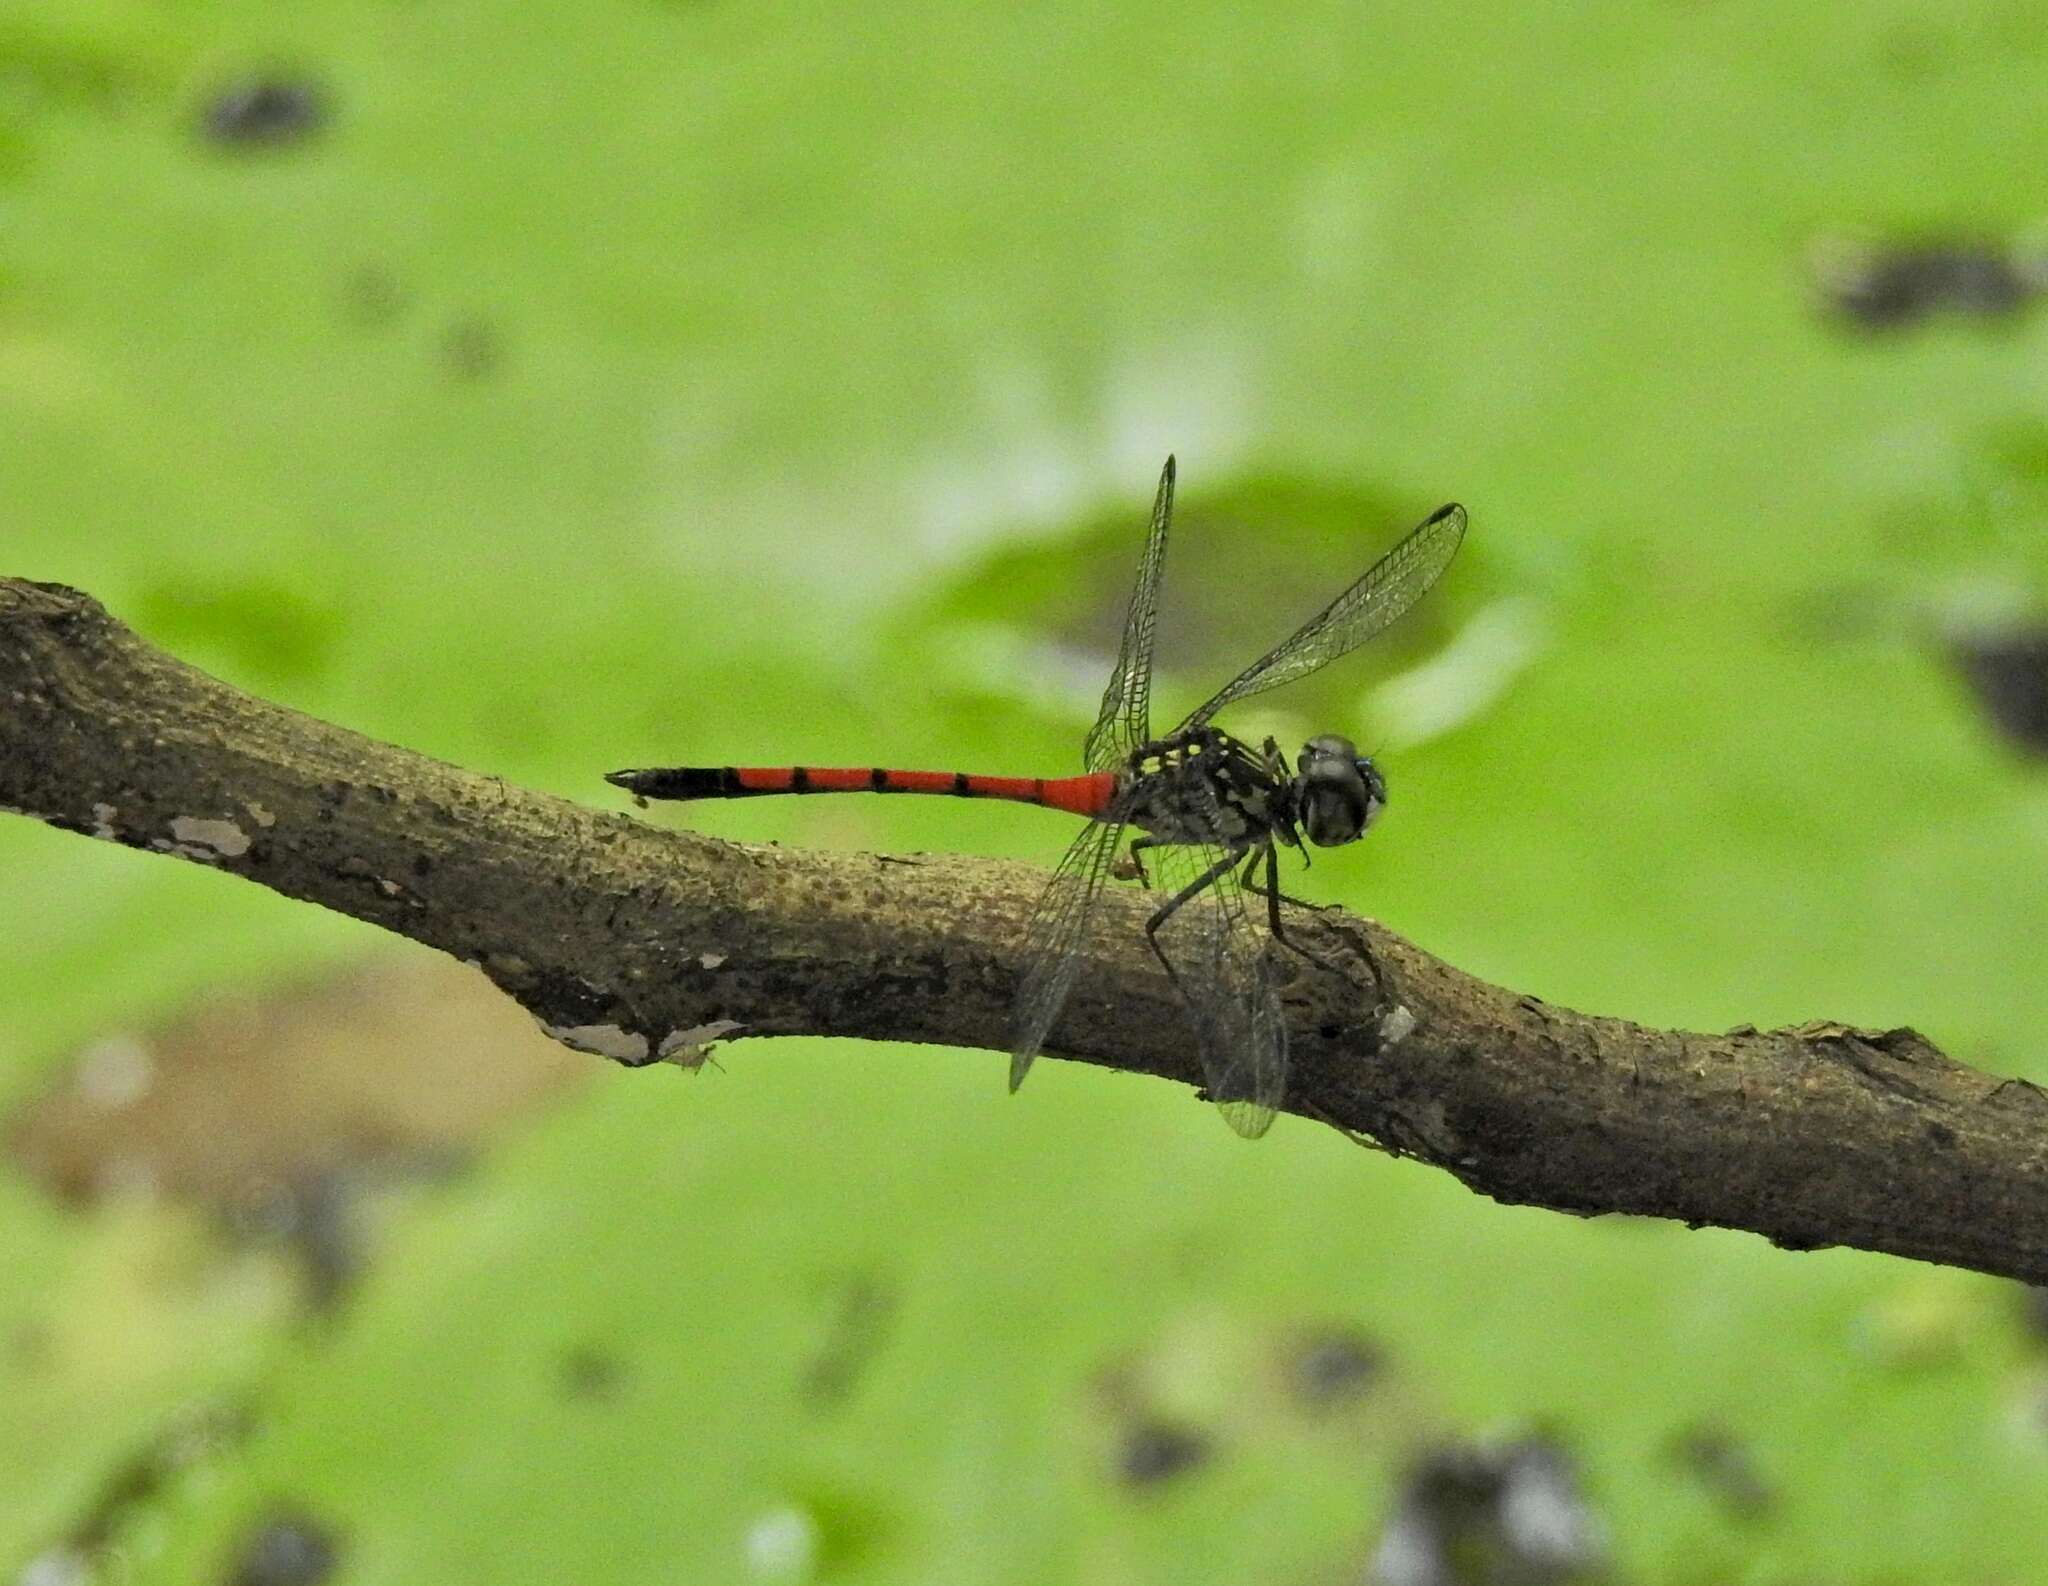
(1131, 867)
(1271, 890)
(1167, 910)
(1276, 767)
(1274, 898)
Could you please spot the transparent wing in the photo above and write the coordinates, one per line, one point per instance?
(1052, 940)
(1395, 582)
(1218, 955)
(1125, 721)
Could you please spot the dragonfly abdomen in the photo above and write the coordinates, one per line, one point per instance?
(1079, 795)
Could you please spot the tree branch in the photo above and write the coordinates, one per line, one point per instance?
(640, 943)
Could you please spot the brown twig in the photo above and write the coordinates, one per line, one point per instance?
(641, 943)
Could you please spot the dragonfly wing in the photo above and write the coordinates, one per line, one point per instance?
(1052, 940)
(1218, 954)
(1393, 584)
(1125, 721)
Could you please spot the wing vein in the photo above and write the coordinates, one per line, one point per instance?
(1386, 591)
(1125, 721)
(1053, 937)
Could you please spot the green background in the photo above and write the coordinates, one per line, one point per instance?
(832, 353)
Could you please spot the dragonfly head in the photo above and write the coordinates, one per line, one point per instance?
(1338, 792)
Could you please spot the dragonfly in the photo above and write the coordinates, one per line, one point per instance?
(1205, 815)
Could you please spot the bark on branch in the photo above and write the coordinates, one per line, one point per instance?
(636, 942)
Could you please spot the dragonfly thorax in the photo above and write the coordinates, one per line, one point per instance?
(1202, 785)
(1338, 792)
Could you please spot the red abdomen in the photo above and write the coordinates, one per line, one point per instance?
(1078, 795)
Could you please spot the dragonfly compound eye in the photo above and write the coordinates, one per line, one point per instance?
(1338, 791)
(1375, 788)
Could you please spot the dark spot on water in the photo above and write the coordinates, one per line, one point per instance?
(201, 1433)
(1713, 1457)
(288, 1549)
(1334, 1366)
(317, 1218)
(1490, 1515)
(372, 297)
(591, 1373)
(472, 347)
(1155, 1451)
(1880, 286)
(863, 1308)
(271, 111)
(323, 1217)
(2007, 671)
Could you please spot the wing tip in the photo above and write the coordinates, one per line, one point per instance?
(1248, 1120)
